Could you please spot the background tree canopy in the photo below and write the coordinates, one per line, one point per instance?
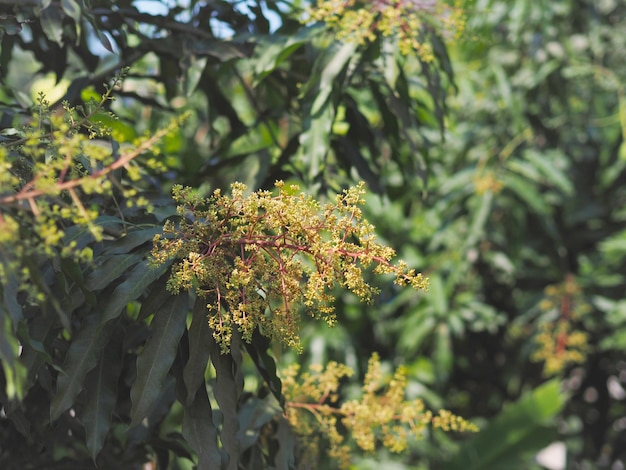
(495, 163)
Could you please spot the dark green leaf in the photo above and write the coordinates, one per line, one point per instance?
(135, 284)
(253, 415)
(113, 267)
(285, 458)
(519, 430)
(527, 193)
(71, 9)
(81, 357)
(132, 240)
(265, 364)
(15, 373)
(8, 292)
(199, 338)
(51, 23)
(101, 395)
(200, 432)
(157, 357)
(227, 392)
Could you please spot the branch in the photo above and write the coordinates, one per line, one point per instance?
(121, 162)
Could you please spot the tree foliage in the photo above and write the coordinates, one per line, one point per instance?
(502, 182)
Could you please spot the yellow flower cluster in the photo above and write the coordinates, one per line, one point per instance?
(558, 342)
(381, 416)
(258, 258)
(407, 20)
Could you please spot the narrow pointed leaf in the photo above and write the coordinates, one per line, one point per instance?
(265, 364)
(110, 270)
(81, 357)
(101, 394)
(156, 359)
(199, 337)
(138, 280)
(200, 432)
(227, 394)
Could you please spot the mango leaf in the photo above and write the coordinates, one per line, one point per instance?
(132, 240)
(285, 458)
(546, 162)
(8, 292)
(71, 9)
(135, 284)
(227, 391)
(520, 429)
(112, 268)
(52, 24)
(82, 356)
(479, 222)
(104, 40)
(36, 339)
(218, 48)
(319, 111)
(37, 277)
(73, 270)
(157, 357)
(275, 49)
(101, 395)
(200, 432)
(265, 364)
(253, 415)
(443, 354)
(526, 192)
(15, 374)
(199, 334)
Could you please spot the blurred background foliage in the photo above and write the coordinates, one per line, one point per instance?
(498, 169)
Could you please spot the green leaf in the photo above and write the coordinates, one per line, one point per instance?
(36, 342)
(200, 432)
(111, 269)
(8, 292)
(135, 284)
(443, 354)
(253, 415)
(71, 9)
(104, 40)
(319, 111)
(101, 395)
(199, 334)
(285, 458)
(132, 240)
(527, 193)
(275, 49)
(546, 162)
(157, 357)
(227, 391)
(520, 429)
(82, 356)
(73, 270)
(15, 374)
(51, 23)
(265, 364)
(218, 48)
(479, 222)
